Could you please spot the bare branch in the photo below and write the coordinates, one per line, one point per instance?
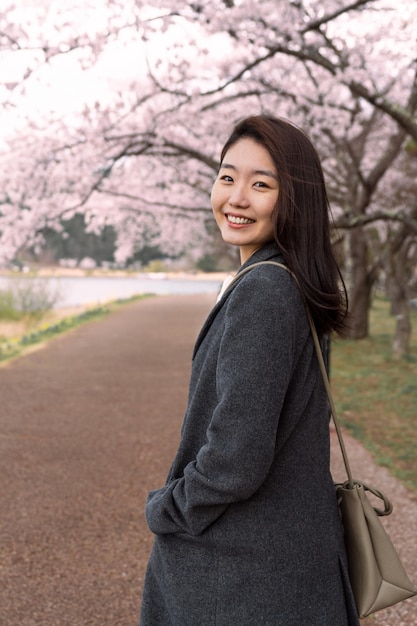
(347, 222)
(316, 24)
(193, 154)
(150, 203)
(402, 115)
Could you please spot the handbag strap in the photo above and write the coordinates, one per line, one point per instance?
(350, 481)
(330, 397)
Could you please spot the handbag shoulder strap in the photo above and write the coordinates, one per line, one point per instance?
(330, 397)
(319, 358)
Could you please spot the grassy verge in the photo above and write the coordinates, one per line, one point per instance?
(376, 394)
(16, 346)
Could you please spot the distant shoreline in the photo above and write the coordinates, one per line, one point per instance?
(63, 272)
(76, 298)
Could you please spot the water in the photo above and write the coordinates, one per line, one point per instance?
(78, 291)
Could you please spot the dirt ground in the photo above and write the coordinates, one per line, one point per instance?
(88, 425)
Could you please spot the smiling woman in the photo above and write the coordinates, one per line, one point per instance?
(248, 516)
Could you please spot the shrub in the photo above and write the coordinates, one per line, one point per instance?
(207, 263)
(27, 298)
(7, 306)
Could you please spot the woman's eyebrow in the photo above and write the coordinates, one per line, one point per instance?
(229, 166)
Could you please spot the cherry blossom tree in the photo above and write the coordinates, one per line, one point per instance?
(364, 161)
(142, 154)
(398, 251)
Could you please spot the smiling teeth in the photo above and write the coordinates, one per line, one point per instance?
(239, 220)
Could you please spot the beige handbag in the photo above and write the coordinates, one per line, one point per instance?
(376, 573)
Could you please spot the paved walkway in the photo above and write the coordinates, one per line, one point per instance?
(88, 425)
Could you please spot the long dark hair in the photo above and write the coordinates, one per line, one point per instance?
(301, 216)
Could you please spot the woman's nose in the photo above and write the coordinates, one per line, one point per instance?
(238, 197)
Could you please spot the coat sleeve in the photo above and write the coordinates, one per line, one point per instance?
(254, 367)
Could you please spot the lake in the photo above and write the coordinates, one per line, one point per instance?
(76, 291)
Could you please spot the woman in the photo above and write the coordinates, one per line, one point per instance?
(247, 527)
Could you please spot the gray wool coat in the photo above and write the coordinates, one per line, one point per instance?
(246, 527)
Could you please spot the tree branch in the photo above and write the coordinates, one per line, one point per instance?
(347, 222)
(402, 115)
(315, 24)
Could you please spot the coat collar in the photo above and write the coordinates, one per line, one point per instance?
(266, 253)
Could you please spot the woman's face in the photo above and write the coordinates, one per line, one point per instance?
(244, 196)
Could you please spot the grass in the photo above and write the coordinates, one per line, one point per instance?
(376, 394)
(17, 346)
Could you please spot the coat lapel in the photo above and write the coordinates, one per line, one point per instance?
(207, 324)
(270, 251)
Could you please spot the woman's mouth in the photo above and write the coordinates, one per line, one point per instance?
(234, 219)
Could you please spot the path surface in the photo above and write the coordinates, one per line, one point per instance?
(88, 425)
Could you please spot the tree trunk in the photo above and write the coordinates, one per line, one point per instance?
(401, 345)
(400, 308)
(360, 287)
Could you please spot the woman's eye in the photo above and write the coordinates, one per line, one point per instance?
(226, 178)
(260, 183)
